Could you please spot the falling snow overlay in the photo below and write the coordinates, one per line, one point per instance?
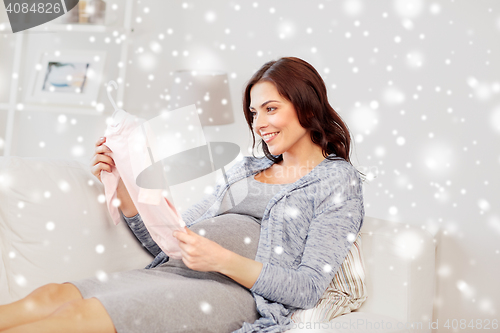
(415, 80)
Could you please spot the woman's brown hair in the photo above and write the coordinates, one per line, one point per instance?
(299, 83)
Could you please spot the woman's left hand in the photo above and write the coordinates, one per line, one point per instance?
(199, 253)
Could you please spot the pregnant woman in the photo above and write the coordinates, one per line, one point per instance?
(245, 267)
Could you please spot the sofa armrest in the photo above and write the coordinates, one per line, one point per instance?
(55, 227)
(400, 270)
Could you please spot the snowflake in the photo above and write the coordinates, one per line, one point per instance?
(50, 225)
(99, 248)
(206, 307)
(101, 276)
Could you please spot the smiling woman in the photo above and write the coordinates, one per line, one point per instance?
(294, 98)
(276, 121)
(285, 102)
(247, 265)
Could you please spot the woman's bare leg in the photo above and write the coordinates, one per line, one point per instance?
(38, 305)
(85, 316)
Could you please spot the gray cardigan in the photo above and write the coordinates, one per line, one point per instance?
(306, 232)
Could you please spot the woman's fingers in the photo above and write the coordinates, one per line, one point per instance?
(100, 147)
(101, 166)
(103, 149)
(102, 158)
(100, 141)
(96, 169)
(100, 161)
(104, 166)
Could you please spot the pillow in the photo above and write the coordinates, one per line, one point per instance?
(346, 292)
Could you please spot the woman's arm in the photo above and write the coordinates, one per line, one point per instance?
(101, 161)
(330, 237)
(204, 255)
(243, 270)
(136, 224)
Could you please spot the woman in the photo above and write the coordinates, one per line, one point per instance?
(245, 267)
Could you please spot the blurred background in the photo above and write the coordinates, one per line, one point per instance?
(415, 80)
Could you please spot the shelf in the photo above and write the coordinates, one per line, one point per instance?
(69, 28)
(4, 26)
(85, 110)
(15, 105)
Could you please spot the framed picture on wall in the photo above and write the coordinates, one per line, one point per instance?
(66, 77)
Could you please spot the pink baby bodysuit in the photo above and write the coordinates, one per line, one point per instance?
(125, 137)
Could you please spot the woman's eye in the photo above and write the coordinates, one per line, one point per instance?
(268, 109)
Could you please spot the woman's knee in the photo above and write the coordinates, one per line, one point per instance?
(87, 312)
(54, 293)
(44, 293)
(74, 309)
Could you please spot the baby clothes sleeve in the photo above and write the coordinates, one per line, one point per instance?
(130, 154)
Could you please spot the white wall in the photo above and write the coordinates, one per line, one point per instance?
(416, 81)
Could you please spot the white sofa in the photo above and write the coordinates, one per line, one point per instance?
(54, 227)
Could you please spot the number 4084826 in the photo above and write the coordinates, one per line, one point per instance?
(479, 324)
(39, 7)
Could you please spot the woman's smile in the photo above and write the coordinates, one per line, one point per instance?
(268, 137)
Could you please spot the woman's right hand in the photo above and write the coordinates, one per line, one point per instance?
(100, 161)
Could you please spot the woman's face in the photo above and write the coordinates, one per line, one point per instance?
(272, 113)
